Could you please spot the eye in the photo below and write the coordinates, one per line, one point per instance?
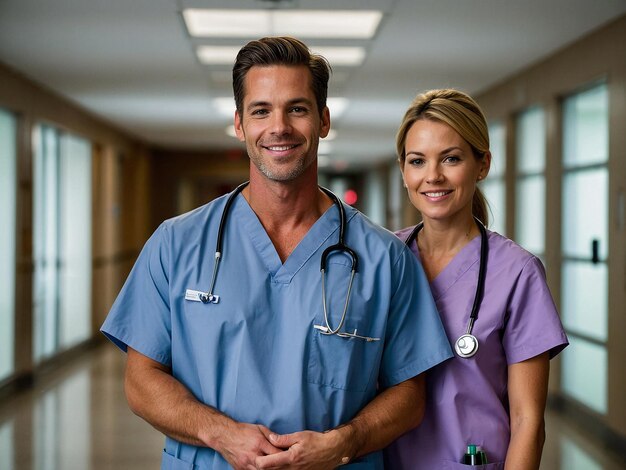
(415, 161)
(259, 112)
(299, 109)
(451, 159)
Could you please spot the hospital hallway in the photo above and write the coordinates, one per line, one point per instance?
(76, 418)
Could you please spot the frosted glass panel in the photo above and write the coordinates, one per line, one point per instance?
(575, 458)
(586, 127)
(75, 248)
(7, 444)
(62, 248)
(493, 189)
(585, 212)
(585, 373)
(530, 214)
(497, 142)
(585, 298)
(531, 141)
(7, 242)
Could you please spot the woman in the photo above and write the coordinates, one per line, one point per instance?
(492, 394)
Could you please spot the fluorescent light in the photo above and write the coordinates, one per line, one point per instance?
(346, 24)
(341, 55)
(226, 23)
(217, 54)
(335, 55)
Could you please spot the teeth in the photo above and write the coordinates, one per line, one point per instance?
(437, 194)
(281, 148)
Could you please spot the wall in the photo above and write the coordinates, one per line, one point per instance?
(121, 200)
(600, 55)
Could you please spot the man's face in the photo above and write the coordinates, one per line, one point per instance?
(280, 123)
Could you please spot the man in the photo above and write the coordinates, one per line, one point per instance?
(255, 378)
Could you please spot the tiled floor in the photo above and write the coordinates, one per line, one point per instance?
(77, 419)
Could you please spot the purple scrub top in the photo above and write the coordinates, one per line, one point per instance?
(467, 399)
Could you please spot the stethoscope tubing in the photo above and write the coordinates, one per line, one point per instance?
(468, 337)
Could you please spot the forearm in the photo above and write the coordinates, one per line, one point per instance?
(392, 413)
(526, 446)
(166, 404)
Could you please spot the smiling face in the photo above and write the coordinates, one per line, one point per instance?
(441, 171)
(280, 123)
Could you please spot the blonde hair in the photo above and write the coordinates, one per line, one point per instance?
(461, 113)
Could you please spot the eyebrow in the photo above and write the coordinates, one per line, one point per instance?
(262, 104)
(449, 149)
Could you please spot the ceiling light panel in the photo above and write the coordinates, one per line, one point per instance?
(337, 56)
(340, 24)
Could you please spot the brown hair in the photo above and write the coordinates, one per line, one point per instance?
(280, 51)
(460, 112)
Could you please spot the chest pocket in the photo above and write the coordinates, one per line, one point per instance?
(346, 363)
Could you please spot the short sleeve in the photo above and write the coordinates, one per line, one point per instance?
(532, 324)
(140, 316)
(415, 339)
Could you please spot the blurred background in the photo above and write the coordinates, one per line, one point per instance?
(117, 114)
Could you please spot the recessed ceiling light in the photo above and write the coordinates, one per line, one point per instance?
(348, 24)
(337, 56)
(217, 54)
(341, 55)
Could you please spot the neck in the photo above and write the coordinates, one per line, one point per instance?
(446, 237)
(287, 210)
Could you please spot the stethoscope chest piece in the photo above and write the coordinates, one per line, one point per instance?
(466, 345)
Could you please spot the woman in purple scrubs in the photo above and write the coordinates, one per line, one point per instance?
(495, 398)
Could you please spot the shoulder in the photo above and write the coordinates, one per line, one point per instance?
(507, 254)
(372, 234)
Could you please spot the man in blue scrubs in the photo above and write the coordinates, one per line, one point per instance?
(254, 380)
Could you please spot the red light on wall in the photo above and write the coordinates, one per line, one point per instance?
(350, 197)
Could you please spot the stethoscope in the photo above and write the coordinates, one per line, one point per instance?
(339, 247)
(467, 344)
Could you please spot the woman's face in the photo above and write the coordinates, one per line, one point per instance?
(440, 171)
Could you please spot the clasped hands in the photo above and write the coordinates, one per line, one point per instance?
(255, 447)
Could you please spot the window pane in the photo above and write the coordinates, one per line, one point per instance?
(497, 142)
(75, 247)
(531, 141)
(7, 242)
(575, 458)
(585, 212)
(493, 189)
(586, 127)
(584, 373)
(585, 298)
(530, 214)
(62, 248)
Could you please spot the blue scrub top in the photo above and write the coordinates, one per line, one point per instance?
(256, 355)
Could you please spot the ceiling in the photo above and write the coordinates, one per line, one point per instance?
(132, 62)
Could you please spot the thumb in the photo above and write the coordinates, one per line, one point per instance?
(284, 441)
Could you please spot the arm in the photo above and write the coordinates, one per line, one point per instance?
(392, 413)
(156, 396)
(528, 388)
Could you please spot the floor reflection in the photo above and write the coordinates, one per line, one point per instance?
(77, 418)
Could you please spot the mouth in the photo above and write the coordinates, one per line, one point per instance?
(280, 148)
(436, 194)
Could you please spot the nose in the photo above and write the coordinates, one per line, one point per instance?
(434, 174)
(280, 123)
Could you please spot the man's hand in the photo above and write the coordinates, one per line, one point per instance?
(244, 443)
(307, 450)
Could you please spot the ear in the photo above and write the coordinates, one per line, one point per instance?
(485, 165)
(325, 125)
(239, 127)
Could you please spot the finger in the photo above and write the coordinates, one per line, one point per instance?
(280, 460)
(284, 441)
